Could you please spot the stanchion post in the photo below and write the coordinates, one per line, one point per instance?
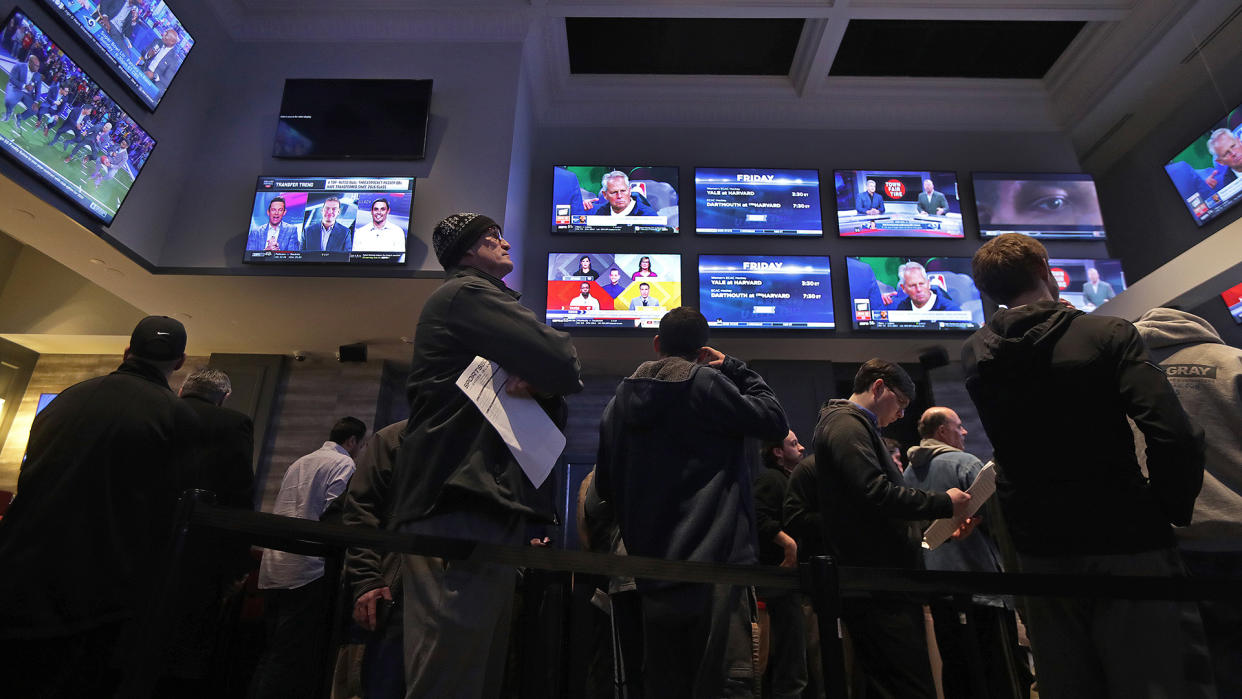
(823, 586)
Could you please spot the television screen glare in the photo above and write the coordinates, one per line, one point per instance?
(143, 42)
(753, 201)
(626, 199)
(1206, 172)
(62, 126)
(920, 293)
(898, 204)
(339, 119)
(611, 290)
(1038, 205)
(766, 291)
(330, 219)
(1233, 299)
(1088, 283)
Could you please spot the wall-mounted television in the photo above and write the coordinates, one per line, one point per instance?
(766, 291)
(1233, 299)
(63, 127)
(1208, 172)
(330, 219)
(363, 119)
(607, 199)
(142, 41)
(913, 293)
(611, 290)
(898, 204)
(757, 201)
(1041, 205)
(1088, 283)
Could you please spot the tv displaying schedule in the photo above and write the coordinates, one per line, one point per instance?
(897, 204)
(751, 201)
(766, 291)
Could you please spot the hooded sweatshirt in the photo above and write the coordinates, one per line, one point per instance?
(1207, 376)
(674, 463)
(1053, 387)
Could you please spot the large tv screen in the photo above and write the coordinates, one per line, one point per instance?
(754, 201)
(339, 119)
(1206, 172)
(898, 204)
(62, 126)
(1087, 283)
(141, 40)
(918, 293)
(1233, 300)
(1041, 205)
(625, 199)
(766, 291)
(330, 219)
(607, 290)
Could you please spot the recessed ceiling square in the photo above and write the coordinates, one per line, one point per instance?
(681, 46)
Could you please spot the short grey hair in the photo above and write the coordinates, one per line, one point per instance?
(1211, 142)
(901, 271)
(614, 175)
(208, 383)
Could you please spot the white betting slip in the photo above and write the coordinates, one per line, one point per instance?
(982, 489)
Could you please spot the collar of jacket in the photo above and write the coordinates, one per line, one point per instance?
(467, 270)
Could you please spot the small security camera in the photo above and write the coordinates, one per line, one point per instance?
(299, 356)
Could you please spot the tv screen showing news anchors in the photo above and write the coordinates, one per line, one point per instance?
(919, 293)
(898, 204)
(1088, 284)
(607, 290)
(615, 199)
(1206, 172)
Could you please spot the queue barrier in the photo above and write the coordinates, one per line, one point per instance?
(824, 582)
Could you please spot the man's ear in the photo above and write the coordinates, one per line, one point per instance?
(877, 388)
(655, 344)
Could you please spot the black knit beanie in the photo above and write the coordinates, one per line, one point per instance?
(454, 235)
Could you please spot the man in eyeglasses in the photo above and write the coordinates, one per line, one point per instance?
(454, 476)
(867, 519)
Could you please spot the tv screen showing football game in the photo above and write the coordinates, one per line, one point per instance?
(1207, 172)
(62, 126)
(1233, 299)
(766, 291)
(330, 219)
(367, 119)
(751, 201)
(898, 204)
(913, 293)
(607, 290)
(615, 199)
(141, 40)
(1088, 284)
(1039, 205)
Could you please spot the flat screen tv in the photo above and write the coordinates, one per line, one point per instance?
(1041, 205)
(1233, 299)
(362, 220)
(607, 199)
(757, 201)
(611, 290)
(1087, 283)
(766, 291)
(913, 293)
(364, 119)
(897, 204)
(1206, 172)
(142, 41)
(62, 126)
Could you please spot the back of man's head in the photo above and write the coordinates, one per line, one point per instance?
(347, 427)
(1009, 266)
(158, 341)
(683, 331)
(891, 374)
(933, 418)
(209, 384)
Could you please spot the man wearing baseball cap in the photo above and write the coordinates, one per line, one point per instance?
(81, 543)
(454, 476)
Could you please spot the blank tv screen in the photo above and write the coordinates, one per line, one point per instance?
(337, 119)
(63, 127)
(754, 201)
(766, 291)
(611, 290)
(1039, 205)
(1206, 172)
(1088, 283)
(897, 204)
(607, 199)
(362, 220)
(142, 41)
(1233, 299)
(913, 293)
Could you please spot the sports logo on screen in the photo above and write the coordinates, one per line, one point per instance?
(895, 189)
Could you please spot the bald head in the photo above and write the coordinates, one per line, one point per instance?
(942, 424)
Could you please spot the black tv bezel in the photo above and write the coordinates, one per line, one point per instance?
(698, 263)
(956, 175)
(760, 236)
(422, 155)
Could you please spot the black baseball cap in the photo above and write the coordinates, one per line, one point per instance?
(158, 338)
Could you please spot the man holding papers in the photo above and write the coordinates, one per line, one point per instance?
(454, 475)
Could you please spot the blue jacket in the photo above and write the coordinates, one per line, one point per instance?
(868, 200)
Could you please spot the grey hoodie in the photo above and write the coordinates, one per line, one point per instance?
(1207, 376)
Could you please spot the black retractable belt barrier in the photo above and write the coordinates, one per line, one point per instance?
(822, 583)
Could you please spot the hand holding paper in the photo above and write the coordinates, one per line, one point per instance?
(979, 491)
